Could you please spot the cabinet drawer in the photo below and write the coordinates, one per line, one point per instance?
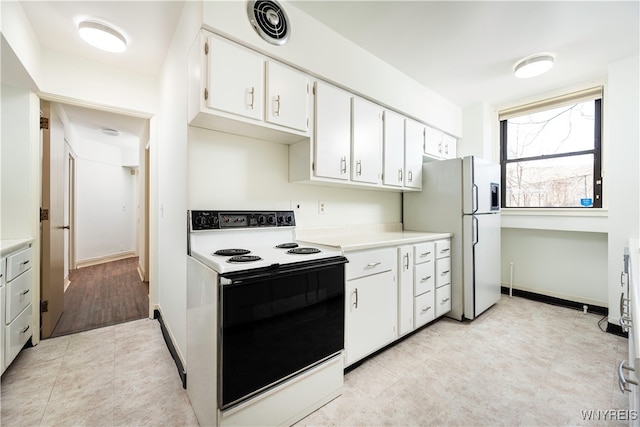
(443, 272)
(18, 263)
(443, 248)
(443, 300)
(424, 310)
(423, 252)
(423, 278)
(366, 263)
(18, 295)
(18, 333)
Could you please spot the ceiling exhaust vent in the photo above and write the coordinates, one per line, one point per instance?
(269, 20)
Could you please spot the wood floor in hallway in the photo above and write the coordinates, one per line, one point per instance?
(103, 295)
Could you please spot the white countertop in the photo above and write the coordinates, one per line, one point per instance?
(357, 238)
(10, 245)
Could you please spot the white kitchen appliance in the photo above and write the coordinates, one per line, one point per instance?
(462, 196)
(265, 319)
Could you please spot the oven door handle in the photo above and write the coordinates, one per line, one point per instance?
(260, 274)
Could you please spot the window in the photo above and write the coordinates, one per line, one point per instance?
(551, 153)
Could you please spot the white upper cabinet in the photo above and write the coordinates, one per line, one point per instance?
(332, 133)
(235, 79)
(287, 100)
(366, 154)
(393, 149)
(413, 149)
(438, 144)
(449, 147)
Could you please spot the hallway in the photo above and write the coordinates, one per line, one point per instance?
(103, 295)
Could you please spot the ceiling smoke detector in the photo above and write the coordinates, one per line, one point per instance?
(269, 20)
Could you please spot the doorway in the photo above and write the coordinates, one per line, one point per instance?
(104, 219)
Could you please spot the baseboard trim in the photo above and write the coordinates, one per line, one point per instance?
(603, 311)
(67, 282)
(616, 330)
(104, 259)
(172, 349)
(140, 272)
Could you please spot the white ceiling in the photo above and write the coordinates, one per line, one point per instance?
(465, 51)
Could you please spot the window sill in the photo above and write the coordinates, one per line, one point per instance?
(561, 219)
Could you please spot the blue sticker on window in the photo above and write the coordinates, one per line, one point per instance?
(586, 202)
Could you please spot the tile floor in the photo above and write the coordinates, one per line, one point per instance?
(521, 363)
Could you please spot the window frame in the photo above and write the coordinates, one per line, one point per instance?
(596, 151)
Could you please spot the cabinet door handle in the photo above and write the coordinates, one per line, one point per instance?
(622, 381)
(622, 281)
(25, 329)
(252, 92)
(424, 310)
(424, 279)
(355, 304)
(406, 261)
(410, 175)
(359, 167)
(399, 175)
(343, 164)
(445, 300)
(276, 111)
(373, 264)
(440, 147)
(26, 291)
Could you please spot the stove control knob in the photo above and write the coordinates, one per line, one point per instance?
(289, 219)
(261, 219)
(280, 219)
(271, 219)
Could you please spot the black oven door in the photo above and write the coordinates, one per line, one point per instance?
(276, 322)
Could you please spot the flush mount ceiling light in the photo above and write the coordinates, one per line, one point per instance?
(102, 36)
(533, 65)
(110, 132)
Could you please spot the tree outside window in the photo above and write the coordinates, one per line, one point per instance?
(551, 157)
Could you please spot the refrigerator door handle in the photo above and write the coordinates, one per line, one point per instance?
(474, 194)
(475, 230)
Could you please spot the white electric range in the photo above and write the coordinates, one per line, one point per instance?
(265, 319)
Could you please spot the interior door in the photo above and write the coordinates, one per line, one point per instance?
(52, 271)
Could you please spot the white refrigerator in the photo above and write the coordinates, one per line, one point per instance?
(462, 196)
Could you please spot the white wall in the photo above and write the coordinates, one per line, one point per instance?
(106, 209)
(563, 264)
(168, 245)
(621, 136)
(15, 155)
(234, 172)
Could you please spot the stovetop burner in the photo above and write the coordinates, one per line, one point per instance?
(304, 251)
(244, 258)
(231, 252)
(287, 245)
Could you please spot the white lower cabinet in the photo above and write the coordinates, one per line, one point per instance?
(424, 308)
(392, 291)
(15, 298)
(371, 302)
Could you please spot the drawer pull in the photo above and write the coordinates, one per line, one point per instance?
(26, 291)
(25, 329)
(445, 300)
(424, 279)
(444, 272)
(24, 262)
(622, 381)
(424, 254)
(373, 264)
(444, 250)
(424, 310)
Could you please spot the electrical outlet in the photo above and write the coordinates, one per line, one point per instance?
(322, 208)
